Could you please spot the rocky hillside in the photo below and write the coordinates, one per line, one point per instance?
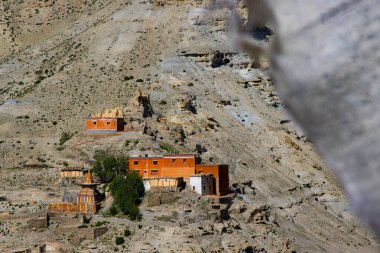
(63, 60)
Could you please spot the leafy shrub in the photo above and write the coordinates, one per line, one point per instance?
(127, 78)
(65, 136)
(41, 160)
(119, 240)
(168, 148)
(127, 232)
(100, 223)
(112, 211)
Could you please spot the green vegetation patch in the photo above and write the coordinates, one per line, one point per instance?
(65, 136)
(168, 148)
(119, 240)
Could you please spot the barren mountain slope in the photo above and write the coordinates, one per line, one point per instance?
(64, 65)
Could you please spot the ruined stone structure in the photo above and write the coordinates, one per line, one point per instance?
(110, 120)
(219, 59)
(180, 165)
(184, 101)
(86, 201)
(162, 119)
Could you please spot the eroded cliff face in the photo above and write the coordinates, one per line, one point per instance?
(89, 55)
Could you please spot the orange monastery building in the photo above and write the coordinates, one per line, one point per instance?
(110, 120)
(180, 166)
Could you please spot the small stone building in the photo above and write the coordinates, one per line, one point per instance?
(202, 184)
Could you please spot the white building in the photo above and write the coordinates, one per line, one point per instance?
(202, 184)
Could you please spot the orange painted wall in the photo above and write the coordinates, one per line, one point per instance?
(180, 166)
(108, 124)
(167, 166)
(220, 173)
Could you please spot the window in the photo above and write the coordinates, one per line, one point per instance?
(184, 160)
(135, 162)
(155, 162)
(145, 171)
(193, 188)
(173, 160)
(94, 122)
(108, 122)
(154, 172)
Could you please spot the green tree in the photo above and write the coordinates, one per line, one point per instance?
(108, 166)
(127, 193)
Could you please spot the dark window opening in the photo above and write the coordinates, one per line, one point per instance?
(173, 160)
(154, 172)
(94, 122)
(155, 162)
(135, 162)
(184, 160)
(108, 122)
(193, 187)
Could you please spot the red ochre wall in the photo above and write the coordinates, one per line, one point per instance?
(105, 124)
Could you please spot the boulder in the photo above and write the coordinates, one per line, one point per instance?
(40, 222)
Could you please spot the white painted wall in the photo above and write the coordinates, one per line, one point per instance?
(202, 184)
(146, 185)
